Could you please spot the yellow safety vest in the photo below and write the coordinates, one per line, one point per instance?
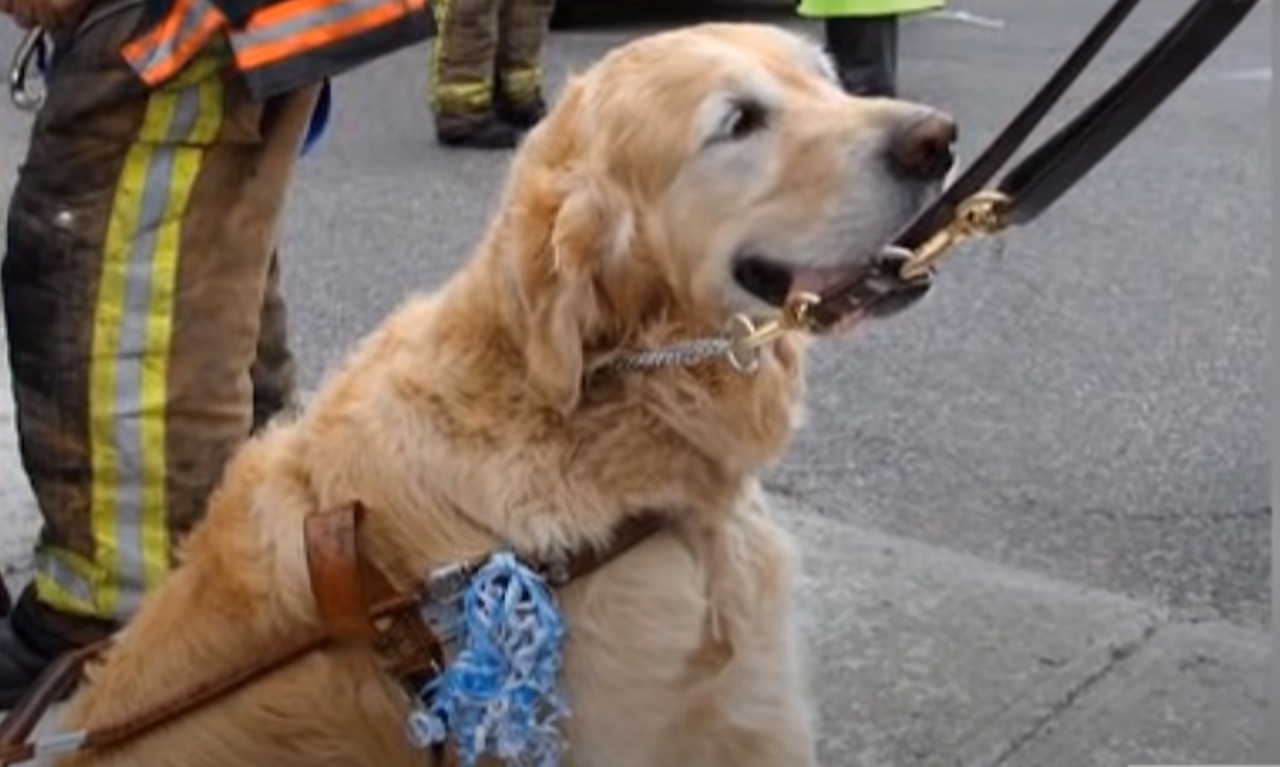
(839, 8)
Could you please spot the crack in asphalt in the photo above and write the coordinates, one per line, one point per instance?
(1118, 654)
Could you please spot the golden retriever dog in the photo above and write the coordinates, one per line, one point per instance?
(687, 176)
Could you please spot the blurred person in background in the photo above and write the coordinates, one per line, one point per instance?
(486, 70)
(862, 37)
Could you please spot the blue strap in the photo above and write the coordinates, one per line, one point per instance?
(319, 119)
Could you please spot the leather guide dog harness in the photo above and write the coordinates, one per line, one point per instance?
(355, 602)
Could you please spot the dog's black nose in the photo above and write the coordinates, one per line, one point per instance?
(921, 149)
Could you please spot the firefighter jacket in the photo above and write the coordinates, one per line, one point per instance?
(277, 45)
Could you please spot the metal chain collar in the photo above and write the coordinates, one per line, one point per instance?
(739, 345)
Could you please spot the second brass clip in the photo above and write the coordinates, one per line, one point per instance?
(977, 215)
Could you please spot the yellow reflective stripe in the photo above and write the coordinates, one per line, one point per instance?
(186, 167)
(64, 580)
(57, 592)
(452, 96)
(209, 64)
(103, 457)
(468, 96)
(522, 83)
(132, 334)
(443, 10)
(209, 117)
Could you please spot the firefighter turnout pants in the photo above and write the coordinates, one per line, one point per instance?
(145, 326)
(483, 45)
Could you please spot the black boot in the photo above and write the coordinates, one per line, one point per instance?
(521, 116)
(32, 637)
(484, 131)
(865, 49)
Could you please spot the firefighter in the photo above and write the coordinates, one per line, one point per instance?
(862, 37)
(145, 323)
(486, 76)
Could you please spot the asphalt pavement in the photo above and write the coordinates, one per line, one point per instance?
(1036, 507)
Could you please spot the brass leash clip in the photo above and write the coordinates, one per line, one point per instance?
(746, 335)
(979, 214)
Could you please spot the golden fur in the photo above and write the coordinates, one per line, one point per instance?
(470, 418)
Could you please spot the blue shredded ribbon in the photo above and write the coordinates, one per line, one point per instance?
(501, 694)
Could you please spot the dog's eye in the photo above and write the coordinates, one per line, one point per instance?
(747, 118)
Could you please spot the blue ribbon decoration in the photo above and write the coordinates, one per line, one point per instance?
(501, 695)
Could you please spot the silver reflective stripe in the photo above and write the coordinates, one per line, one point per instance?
(135, 351)
(338, 11)
(60, 743)
(51, 566)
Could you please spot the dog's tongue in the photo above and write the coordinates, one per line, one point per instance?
(817, 280)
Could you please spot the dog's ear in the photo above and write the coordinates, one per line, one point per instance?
(591, 232)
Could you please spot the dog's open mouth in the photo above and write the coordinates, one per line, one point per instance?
(879, 291)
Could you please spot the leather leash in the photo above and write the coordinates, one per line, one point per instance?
(973, 207)
(356, 604)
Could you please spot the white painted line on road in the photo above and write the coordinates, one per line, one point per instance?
(1260, 74)
(972, 19)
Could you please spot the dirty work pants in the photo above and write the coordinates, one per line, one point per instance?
(481, 45)
(145, 327)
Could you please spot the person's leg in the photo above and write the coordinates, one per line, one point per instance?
(865, 49)
(462, 75)
(230, 364)
(522, 30)
(140, 236)
(274, 373)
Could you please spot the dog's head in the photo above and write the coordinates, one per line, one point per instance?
(710, 170)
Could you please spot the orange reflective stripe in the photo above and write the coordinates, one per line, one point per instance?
(274, 14)
(171, 44)
(185, 51)
(309, 16)
(278, 31)
(138, 51)
(257, 54)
